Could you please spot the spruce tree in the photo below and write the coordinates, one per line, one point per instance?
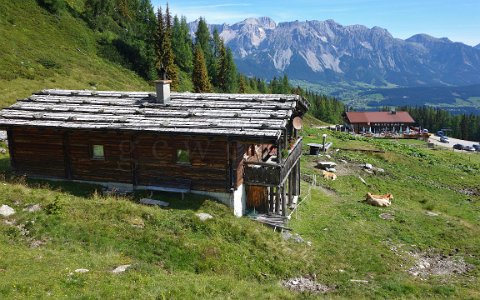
(202, 37)
(242, 87)
(168, 56)
(159, 38)
(182, 44)
(165, 56)
(201, 82)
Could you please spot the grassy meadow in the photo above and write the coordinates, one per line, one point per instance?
(175, 255)
(39, 50)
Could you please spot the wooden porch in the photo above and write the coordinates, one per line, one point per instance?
(278, 178)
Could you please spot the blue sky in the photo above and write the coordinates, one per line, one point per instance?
(458, 20)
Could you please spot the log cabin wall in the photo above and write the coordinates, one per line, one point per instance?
(140, 159)
(115, 167)
(37, 152)
(157, 161)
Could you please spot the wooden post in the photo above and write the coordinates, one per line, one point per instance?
(290, 187)
(295, 180)
(277, 200)
(66, 155)
(284, 200)
(11, 148)
(299, 178)
(134, 160)
(272, 199)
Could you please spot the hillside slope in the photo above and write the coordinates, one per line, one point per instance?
(40, 50)
(346, 244)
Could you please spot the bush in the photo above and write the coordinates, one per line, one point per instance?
(53, 6)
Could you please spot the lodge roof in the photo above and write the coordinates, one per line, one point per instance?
(260, 116)
(379, 117)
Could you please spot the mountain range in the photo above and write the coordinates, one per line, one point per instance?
(325, 51)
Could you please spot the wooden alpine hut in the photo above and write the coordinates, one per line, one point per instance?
(242, 149)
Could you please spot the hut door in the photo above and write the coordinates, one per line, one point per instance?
(257, 198)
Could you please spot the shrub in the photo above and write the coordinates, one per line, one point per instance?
(53, 6)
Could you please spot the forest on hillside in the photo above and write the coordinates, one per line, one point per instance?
(131, 33)
(151, 43)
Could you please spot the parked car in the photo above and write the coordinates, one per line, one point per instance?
(440, 133)
(468, 148)
(458, 146)
(476, 147)
(444, 139)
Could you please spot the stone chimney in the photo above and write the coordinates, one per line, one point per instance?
(163, 91)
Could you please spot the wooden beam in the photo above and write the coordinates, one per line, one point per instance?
(277, 200)
(284, 201)
(134, 159)
(290, 187)
(272, 199)
(66, 155)
(11, 148)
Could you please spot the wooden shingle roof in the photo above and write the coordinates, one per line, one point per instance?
(261, 116)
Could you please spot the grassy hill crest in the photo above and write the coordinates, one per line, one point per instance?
(41, 50)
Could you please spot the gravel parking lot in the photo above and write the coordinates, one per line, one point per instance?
(436, 140)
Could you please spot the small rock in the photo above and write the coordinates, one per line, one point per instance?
(82, 270)
(33, 208)
(120, 269)
(333, 170)
(359, 280)
(3, 151)
(6, 211)
(287, 235)
(304, 284)
(379, 170)
(432, 214)
(204, 216)
(37, 243)
(387, 216)
(368, 166)
(368, 171)
(328, 156)
(9, 223)
(344, 161)
(154, 202)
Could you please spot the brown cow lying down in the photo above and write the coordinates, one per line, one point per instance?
(329, 175)
(379, 200)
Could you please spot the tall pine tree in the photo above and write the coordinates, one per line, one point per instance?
(201, 82)
(202, 37)
(165, 56)
(182, 44)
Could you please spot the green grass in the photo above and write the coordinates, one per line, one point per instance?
(176, 256)
(40, 50)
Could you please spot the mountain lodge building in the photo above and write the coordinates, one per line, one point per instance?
(241, 149)
(379, 121)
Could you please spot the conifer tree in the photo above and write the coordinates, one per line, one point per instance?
(182, 44)
(202, 37)
(201, 83)
(242, 88)
(165, 56)
(159, 38)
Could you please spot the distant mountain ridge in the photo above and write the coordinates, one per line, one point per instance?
(328, 51)
(477, 47)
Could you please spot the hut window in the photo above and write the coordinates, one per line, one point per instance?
(97, 152)
(183, 156)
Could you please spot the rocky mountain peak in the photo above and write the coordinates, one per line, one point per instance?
(328, 51)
